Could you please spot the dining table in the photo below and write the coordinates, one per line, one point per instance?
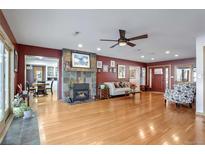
(35, 84)
(40, 84)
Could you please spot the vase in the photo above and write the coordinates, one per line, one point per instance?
(27, 114)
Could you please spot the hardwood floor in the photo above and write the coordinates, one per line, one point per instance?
(121, 120)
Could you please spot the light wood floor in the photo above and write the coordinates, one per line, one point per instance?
(121, 120)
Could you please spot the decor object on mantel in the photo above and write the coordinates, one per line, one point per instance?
(112, 63)
(66, 65)
(99, 64)
(121, 71)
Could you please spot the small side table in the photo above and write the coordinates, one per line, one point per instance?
(104, 93)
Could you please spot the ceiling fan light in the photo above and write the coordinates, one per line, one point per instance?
(122, 44)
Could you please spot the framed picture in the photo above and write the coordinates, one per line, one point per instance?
(114, 70)
(132, 72)
(80, 60)
(105, 68)
(15, 61)
(121, 71)
(99, 64)
(110, 70)
(112, 63)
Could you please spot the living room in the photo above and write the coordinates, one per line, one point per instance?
(116, 80)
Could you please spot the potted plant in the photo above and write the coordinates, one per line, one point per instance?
(17, 106)
(27, 112)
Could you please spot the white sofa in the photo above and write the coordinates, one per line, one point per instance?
(116, 91)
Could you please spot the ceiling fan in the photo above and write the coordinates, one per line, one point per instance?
(122, 41)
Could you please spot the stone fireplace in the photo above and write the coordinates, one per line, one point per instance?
(78, 83)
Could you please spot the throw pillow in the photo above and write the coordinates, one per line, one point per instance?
(121, 85)
(116, 84)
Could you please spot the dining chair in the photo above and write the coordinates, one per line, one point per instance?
(29, 88)
(51, 87)
(41, 89)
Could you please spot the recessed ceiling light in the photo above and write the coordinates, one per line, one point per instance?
(176, 55)
(152, 58)
(80, 45)
(98, 49)
(142, 56)
(167, 52)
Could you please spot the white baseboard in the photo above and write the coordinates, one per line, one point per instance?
(200, 114)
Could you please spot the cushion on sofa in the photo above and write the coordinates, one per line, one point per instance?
(122, 89)
(116, 84)
(121, 84)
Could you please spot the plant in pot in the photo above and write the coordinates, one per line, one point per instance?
(104, 86)
(17, 104)
(27, 112)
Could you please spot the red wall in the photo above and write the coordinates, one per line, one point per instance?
(24, 50)
(108, 76)
(173, 63)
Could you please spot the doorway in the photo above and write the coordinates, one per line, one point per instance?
(159, 78)
(40, 69)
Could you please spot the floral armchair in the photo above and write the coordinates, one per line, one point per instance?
(183, 93)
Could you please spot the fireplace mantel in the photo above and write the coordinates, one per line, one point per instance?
(71, 76)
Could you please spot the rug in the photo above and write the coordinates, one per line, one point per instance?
(23, 132)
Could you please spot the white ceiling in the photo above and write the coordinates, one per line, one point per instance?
(173, 30)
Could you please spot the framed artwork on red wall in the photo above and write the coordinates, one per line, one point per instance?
(105, 68)
(121, 71)
(99, 64)
(112, 63)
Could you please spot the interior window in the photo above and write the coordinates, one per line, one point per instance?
(183, 74)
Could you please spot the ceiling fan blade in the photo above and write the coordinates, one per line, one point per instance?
(131, 44)
(122, 33)
(138, 37)
(108, 40)
(114, 45)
